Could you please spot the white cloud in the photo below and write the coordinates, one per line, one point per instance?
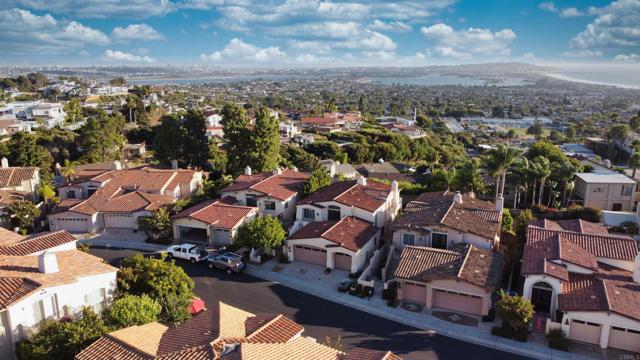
(627, 58)
(239, 51)
(548, 6)
(468, 43)
(582, 54)
(22, 32)
(369, 40)
(100, 8)
(393, 26)
(570, 12)
(121, 56)
(136, 32)
(316, 47)
(617, 25)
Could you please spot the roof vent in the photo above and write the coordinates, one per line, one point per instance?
(457, 198)
(247, 170)
(362, 181)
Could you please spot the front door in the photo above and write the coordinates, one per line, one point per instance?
(541, 299)
(439, 241)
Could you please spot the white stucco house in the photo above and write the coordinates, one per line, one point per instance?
(443, 219)
(43, 276)
(344, 244)
(274, 193)
(214, 222)
(18, 183)
(372, 201)
(117, 198)
(586, 280)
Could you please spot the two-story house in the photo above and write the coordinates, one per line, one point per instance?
(369, 200)
(586, 280)
(117, 198)
(43, 276)
(442, 219)
(18, 183)
(605, 190)
(274, 193)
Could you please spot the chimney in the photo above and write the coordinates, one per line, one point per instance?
(607, 163)
(471, 194)
(116, 165)
(247, 170)
(394, 185)
(47, 263)
(5, 163)
(294, 168)
(174, 164)
(499, 203)
(277, 171)
(636, 269)
(362, 181)
(457, 197)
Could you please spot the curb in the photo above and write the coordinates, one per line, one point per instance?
(121, 245)
(494, 342)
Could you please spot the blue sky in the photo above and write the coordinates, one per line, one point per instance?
(317, 33)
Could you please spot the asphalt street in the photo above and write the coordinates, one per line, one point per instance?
(322, 318)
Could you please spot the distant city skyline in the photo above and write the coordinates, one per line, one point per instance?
(314, 33)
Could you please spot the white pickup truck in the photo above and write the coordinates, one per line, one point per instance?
(189, 252)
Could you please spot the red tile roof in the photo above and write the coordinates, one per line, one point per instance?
(575, 225)
(278, 186)
(34, 243)
(14, 176)
(217, 213)
(14, 289)
(349, 232)
(368, 354)
(463, 262)
(368, 197)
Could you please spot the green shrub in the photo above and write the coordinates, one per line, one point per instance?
(558, 340)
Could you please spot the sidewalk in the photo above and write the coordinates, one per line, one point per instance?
(377, 306)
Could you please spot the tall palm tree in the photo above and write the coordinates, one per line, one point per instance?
(634, 162)
(522, 176)
(497, 162)
(69, 170)
(564, 173)
(542, 170)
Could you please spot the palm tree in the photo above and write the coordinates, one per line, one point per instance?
(522, 176)
(541, 170)
(498, 161)
(69, 170)
(634, 162)
(564, 173)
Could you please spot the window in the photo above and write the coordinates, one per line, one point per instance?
(627, 190)
(54, 306)
(97, 299)
(439, 240)
(408, 239)
(617, 207)
(308, 214)
(251, 200)
(270, 205)
(286, 205)
(71, 194)
(598, 190)
(334, 212)
(38, 311)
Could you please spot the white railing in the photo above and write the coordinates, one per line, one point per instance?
(367, 278)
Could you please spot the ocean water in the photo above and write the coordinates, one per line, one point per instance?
(620, 75)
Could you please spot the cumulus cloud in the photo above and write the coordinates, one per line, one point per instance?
(627, 58)
(309, 46)
(22, 32)
(120, 56)
(240, 51)
(136, 32)
(130, 9)
(617, 25)
(582, 54)
(550, 6)
(393, 26)
(468, 43)
(369, 40)
(571, 12)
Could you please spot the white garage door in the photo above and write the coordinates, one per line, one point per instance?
(310, 254)
(342, 261)
(585, 331)
(414, 292)
(625, 339)
(72, 224)
(457, 301)
(127, 221)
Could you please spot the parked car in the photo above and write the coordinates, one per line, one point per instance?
(345, 284)
(189, 252)
(228, 261)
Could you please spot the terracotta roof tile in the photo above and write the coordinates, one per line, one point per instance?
(438, 208)
(26, 245)
(279, 186)
(14, 289)
(301, 348)
(368, 354)
(349, 232)
(217, 213)
(14, 176)
(279, 329)
(368, 197)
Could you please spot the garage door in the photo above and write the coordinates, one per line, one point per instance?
(72, 224)
(126, 221)
(310, 254)
(414, 292)
(342, 261)
(625, 339)
(457, 301)
(585, 331)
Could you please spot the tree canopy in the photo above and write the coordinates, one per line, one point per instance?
(130, 310)
(318, 179)
(265, 232)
